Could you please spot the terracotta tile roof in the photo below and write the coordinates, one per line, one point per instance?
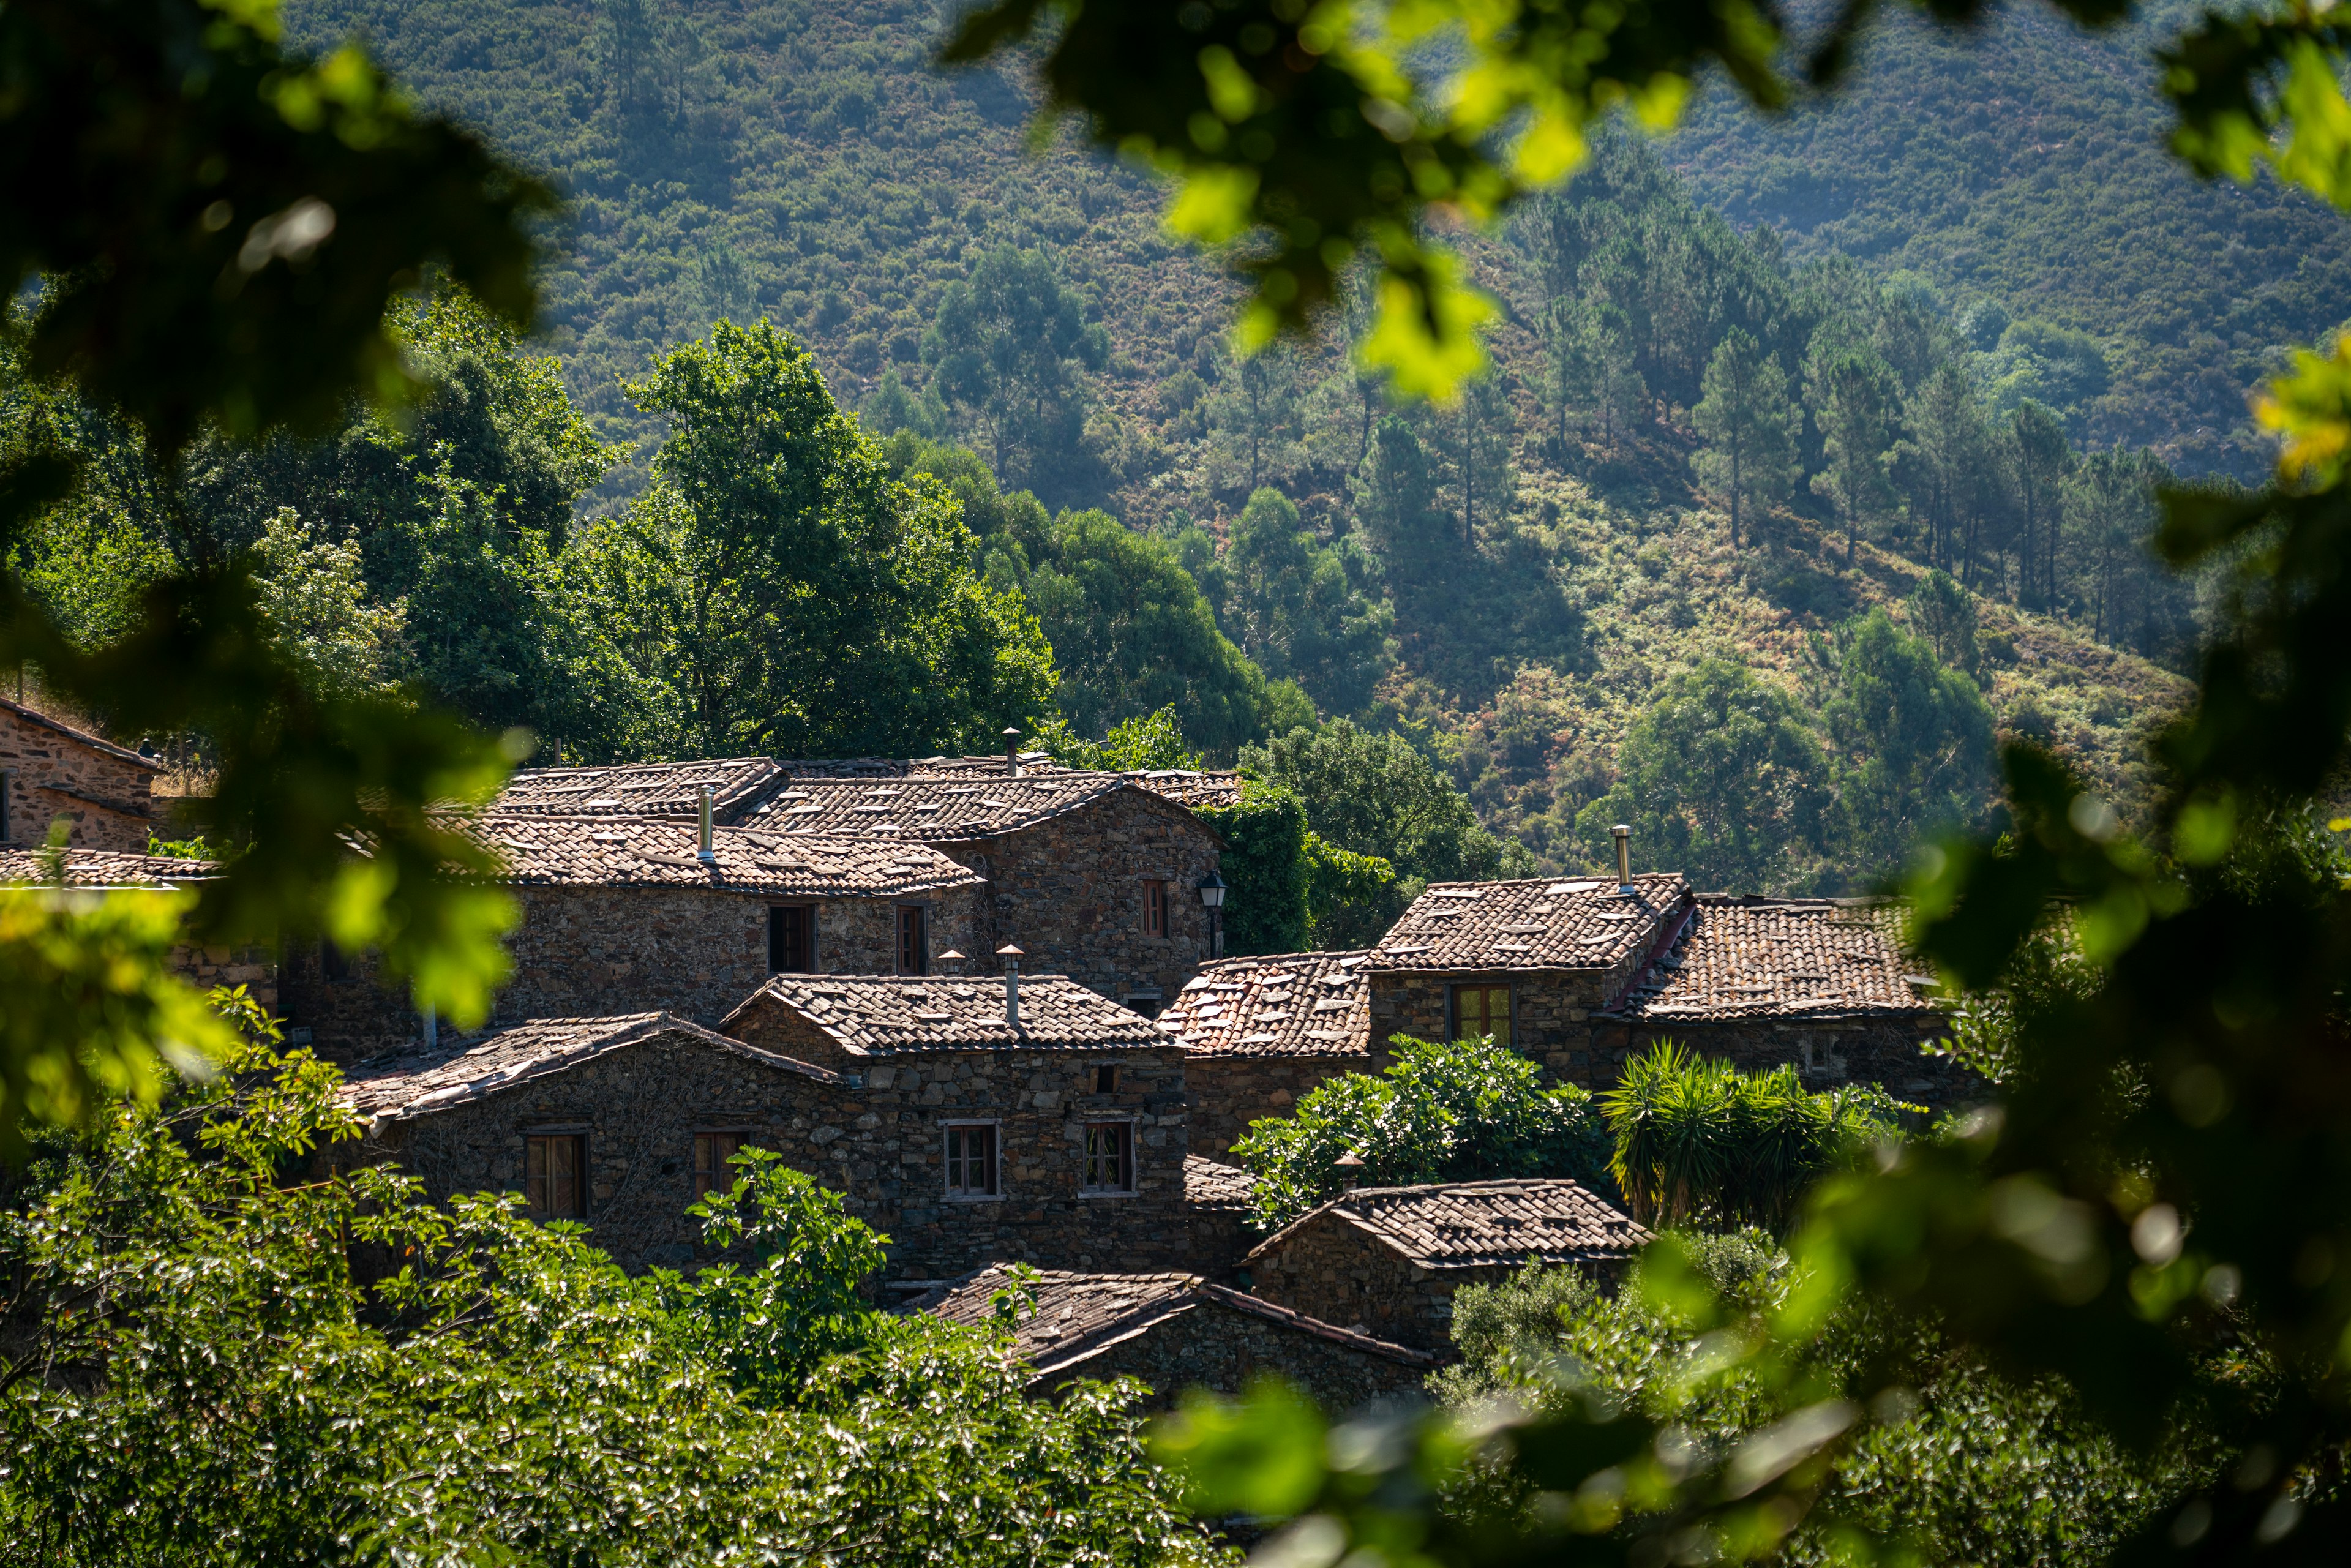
(876, 1015)
(1078, 1316)
(401, 1085)
(639, 851)
(1552, 923)
(96, 742)
(932, 807)
(1302, 1004)
(1783, 957)
(1185, 787)
(641, 788)
(1209, 1183)
(1476, 1224)
(105, 868)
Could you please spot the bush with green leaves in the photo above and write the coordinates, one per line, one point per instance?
(1698, 1140)
(199, 1375)
(1464, 1110)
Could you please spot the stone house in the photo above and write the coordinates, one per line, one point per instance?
(1529, 962)
(1175, 1332)
(50, 770)
(1819, 983)
(617, 1122)
(1052, 1133)
(621, 914)
(1094, 876)
(1262, 1032)
(89, 872)
(1216, 1200)
(1386, 1261)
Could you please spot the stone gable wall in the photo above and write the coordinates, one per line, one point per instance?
(252, 967)
(1069, 893)
(592, 952)
(1328, 1268)
(1221, 1348)
(1550, 1011)
(1229, 1092)
(1827, 1054)
(880, 1144)
(107, 799)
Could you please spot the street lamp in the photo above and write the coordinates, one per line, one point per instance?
(1212, 899)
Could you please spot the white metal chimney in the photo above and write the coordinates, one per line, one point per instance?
(703, 852)
(1624, 836)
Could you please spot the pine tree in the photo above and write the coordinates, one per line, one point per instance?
(1748, 423)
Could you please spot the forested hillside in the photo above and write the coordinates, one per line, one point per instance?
(1756, 550)
(2022, 170)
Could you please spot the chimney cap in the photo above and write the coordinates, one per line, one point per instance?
(1351, 1160)
(1621, 831)
(951, 953)
(1011, 732)
(1010, 951)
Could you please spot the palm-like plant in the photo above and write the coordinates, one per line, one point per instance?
(1697, 1139)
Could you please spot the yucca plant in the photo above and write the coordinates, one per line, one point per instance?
(1697, 1139)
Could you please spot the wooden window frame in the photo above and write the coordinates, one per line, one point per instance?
(1120, 1133)
(1157, 917)
(1459, 1031)
(711, 1171)
(776, 943)
(538, 1189)
(993, 1132)
(914, 958)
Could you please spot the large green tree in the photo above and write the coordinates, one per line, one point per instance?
(1010, 350)
(1304, 610)
(1721, 779)
(785, 594)
(1372, 794)
(1914, 739)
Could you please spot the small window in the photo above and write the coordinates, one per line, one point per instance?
(971, 1160)
(791, 939)
(1105, 1080)
(711, 1152)
(1154, 909)
(555, 1182)
(1482, 1009)
(914, 946)
(1110, 1157)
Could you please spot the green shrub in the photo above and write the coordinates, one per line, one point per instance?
(1467, 1109)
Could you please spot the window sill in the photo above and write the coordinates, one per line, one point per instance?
(973, 1198)
(1105, 1192)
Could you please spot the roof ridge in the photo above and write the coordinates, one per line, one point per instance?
(25, 710)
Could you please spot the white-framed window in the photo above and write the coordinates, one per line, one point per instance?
(1109, 1158)
(973, 1160)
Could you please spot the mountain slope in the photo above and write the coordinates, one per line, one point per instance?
(2025, 165)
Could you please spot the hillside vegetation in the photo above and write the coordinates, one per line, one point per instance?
(1713, 489)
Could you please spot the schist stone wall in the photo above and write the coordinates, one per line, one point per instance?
(104, 790)
(889, 1148)
(1069, 892)
(1826, 1053)
(638, 1111)
(1221, 1348)
(1230, 1091)
(1327, 1268)
(880, 1144)
(593, 952)
(1551, 1011)
(253, 967)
